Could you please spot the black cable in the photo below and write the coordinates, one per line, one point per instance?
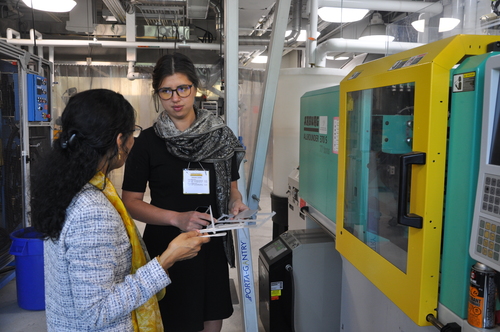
(289, 269)
(18, 16)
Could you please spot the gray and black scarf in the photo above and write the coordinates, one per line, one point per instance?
(207, 140)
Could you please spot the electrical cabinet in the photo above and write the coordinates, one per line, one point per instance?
(25, 133)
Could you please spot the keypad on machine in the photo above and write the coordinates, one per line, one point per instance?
(491, 195)
(488, 241)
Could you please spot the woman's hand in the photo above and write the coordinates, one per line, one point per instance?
(236, 207)
(184, 246)
(192, 220)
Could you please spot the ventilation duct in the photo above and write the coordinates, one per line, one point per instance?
(197, 9)
(82, 17)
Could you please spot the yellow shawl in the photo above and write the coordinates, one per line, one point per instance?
(146, 318)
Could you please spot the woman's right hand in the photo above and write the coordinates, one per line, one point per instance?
(184, 246)
(191, 220)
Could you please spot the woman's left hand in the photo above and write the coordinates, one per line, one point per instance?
(236, 207)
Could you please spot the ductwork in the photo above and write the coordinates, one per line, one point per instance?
(197, 9)
(354, 45)
(317, 54)
(296, 22)
(219, 25)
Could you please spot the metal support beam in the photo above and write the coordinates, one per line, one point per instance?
(242, 240)
(269, 96)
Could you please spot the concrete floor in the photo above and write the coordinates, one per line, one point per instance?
(15, 319)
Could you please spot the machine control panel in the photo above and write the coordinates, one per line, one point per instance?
(38, 100)
(485, 237)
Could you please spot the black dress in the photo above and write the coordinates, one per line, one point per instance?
(200, 286)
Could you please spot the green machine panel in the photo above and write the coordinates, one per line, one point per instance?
(319, 116)
(464, 141)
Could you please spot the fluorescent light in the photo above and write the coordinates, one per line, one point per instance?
(418, 25)
(447, 24)
(56, 6)
(341, 15)
(260, 59)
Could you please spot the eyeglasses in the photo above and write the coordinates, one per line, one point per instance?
(137, 131)
(183, 91)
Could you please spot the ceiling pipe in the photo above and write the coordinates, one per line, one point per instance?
(296, 22)
(433, 8)
(131, 51)
(312, 42)
(111, 44)
(11, 33)
(219, 25)
(318, 58)
(354, 45)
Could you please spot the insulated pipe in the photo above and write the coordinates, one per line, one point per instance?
(433, 8)
(219, 25)
(354, 45)
(313, 28)
(470, 17)
(131, 51)
(12, 32)
(296, 21)
(250, 40)
(111, 44)
(131, 73)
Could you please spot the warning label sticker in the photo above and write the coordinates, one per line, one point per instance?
(464, 82)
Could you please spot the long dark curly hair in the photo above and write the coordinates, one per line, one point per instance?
(91, 123)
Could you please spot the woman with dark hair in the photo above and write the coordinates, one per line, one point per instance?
(190, 160)
(98, 277)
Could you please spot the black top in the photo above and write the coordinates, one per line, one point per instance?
(149, 161)
(200, 286)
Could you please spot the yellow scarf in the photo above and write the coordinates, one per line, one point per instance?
(146, 318)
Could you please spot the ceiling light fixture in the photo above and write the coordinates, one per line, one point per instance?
(56, 6)
(341, 15)
(445, 24)
(376, 30)
(418, 25)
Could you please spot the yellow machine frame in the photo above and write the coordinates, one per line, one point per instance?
(416, 291)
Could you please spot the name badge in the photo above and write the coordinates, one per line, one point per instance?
(196, 182)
